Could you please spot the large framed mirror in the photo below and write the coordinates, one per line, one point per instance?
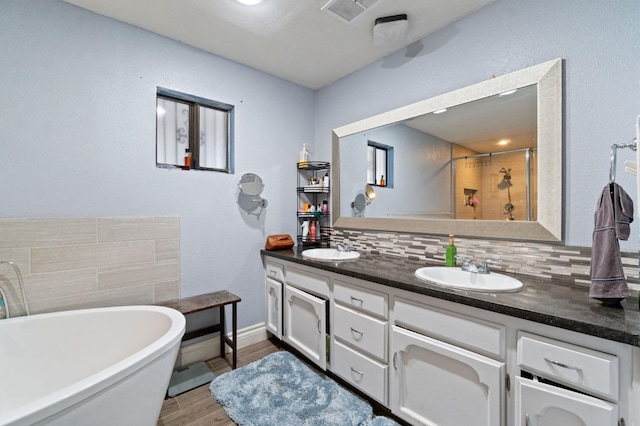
(482, 161)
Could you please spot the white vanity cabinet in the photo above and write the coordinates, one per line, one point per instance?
(435, 382)
(359, 332)
(564, 384)
(306, 297)
(440, 363)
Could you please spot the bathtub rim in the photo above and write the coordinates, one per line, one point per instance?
(70, 395)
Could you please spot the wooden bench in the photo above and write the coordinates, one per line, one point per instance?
(218, 299)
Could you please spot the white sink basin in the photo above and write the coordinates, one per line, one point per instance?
(329, 254)
(459, 279)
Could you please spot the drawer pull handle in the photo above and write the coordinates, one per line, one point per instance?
(359, 373)
(563, 365)
(356, 331)
(355, 299)
(395, 355)
(319, 329)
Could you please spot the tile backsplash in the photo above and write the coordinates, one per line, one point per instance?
(90, 262)
(568, 263)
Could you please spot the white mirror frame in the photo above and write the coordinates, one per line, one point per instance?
(548, 227)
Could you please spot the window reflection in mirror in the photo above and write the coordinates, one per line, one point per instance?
(379, 164)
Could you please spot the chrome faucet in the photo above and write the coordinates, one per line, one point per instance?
(342, 247)
(469, 266)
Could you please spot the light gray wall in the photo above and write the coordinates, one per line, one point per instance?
(598, 40)
(77, 139)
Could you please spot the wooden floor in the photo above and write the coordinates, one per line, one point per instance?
(197, 407)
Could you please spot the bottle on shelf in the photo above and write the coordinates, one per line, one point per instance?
(382, 180)
(187, 159)
(312, 231)
(304, 155)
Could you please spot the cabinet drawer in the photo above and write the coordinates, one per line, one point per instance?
(275, 272)
(364, 373)
(360, 298)
(471, 333)
(361, 331)
(313, 283)
(572, 365)
(551, 405)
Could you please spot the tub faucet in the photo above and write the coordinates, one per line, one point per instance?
(20, 283)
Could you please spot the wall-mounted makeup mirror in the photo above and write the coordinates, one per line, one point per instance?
(249, 199)
(362, 200)
(448, 143)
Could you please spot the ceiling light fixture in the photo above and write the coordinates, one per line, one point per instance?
(250, 2)
(504, 142)
(440, 111)
(390, 30)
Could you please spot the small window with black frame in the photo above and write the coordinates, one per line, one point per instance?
(193, 132)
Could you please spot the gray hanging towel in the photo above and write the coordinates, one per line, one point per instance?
(613, 215)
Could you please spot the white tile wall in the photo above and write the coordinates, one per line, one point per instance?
(90, 262)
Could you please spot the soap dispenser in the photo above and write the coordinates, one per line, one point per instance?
(450, 253)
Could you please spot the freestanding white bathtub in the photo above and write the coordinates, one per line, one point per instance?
(105, 366)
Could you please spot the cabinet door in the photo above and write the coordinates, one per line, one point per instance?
(273, 307)
(438, 384)
(305, 319)
(539, 404)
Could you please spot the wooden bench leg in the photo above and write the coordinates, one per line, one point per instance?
(223, 331)
(234, 332)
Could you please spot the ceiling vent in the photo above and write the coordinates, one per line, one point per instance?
(347, 10)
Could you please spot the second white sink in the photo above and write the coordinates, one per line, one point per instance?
(329, 254)
(459, 279)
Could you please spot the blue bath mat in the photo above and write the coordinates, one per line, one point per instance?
(279, 389)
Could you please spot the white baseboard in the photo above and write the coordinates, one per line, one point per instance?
(210, 348)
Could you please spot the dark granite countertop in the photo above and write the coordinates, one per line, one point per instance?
(545, 301)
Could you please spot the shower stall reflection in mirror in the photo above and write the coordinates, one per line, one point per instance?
(495, 186)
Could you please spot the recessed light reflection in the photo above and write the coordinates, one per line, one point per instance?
(508, 92)
(250, 2)
(440, 111)
(504, 142)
